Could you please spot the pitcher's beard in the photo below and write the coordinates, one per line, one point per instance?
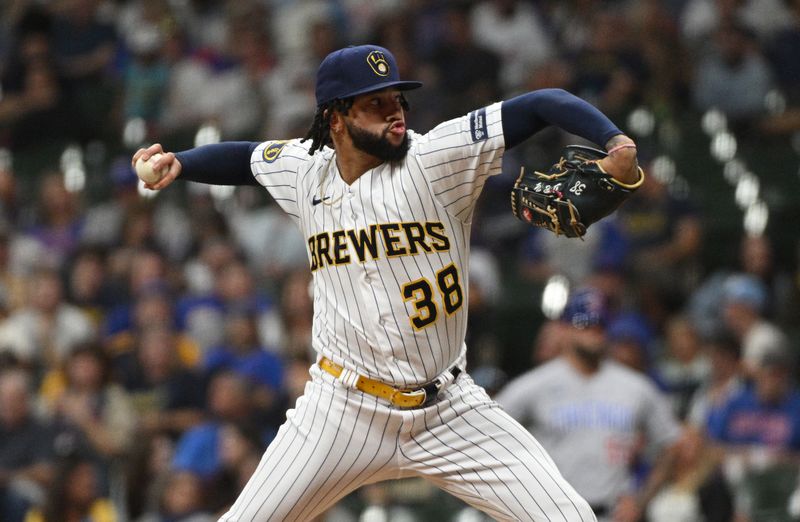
(378, 145)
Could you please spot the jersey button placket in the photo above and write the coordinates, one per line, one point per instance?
(350, 194)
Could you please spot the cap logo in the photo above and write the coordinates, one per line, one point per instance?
(378, 64)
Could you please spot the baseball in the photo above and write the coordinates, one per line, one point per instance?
(145, 171)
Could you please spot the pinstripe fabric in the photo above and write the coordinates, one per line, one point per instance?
(390, 257)
(361, 319)
(337, 440)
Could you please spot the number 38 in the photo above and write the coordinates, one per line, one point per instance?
(420, 293)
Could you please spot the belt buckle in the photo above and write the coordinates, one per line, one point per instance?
(408, 394)
(429, 392)
(432, 391)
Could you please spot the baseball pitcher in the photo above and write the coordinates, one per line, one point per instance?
(386, 214)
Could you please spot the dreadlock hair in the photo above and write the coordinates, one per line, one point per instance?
(320, 131)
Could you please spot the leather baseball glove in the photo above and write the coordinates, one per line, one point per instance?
(574, 193)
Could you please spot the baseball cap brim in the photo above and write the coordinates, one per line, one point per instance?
(402, 85)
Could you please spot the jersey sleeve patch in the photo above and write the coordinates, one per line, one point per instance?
(273, 150)
(477, 125)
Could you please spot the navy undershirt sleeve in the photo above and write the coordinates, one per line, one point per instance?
(529, 113)
(226, 163)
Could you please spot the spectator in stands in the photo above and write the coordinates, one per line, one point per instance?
(469, 71)
(90, 413)
(392, 31)
(234, 288)
(133, 272)
(26, 447)
(86, 284)
(252, 224)
(44, 332)
(516, 32)
(35, 105)
(222, 85)
(682, 366)
(630, 342)
(103, 222)
(590, 412)
(153, 308)
(699, 19)
(201, 271)
(137, 233)
(13, 284)
(240, 452)
(290, 22)
(85, 44)
(147, 473)
(759, 429)
(664, 234)
(735, 77)
(242, 353)
(610, 276)
(288, 91)
(757, 257)
(146, 72)
(10, 203)
(167, 397)
(544, 254)
(75, 496)
(765, 415)
(296, 312)
(724, 382)
(696, 488)
(780, 51)
(668, 63)
(199, 449)
(183, 500)
(145, 14)
(743, 300)
(485, 293)
(297, 376)
(249, 49)
(756, 260)
(57, 229)
(610, 70)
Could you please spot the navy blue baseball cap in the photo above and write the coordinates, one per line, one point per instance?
(586, 307)
(358, 70)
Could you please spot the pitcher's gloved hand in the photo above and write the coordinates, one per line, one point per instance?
(574, 193)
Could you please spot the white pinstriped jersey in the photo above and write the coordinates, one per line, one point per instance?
(390, 253)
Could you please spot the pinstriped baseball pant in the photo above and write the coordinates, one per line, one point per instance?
(336, 440)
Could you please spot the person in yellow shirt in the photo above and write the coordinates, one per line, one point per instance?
(74, 496)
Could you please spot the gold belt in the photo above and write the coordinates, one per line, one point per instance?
(397, 397)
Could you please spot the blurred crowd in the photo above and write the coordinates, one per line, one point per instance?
(151, 343)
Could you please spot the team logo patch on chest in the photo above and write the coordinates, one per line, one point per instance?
(273, 150)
